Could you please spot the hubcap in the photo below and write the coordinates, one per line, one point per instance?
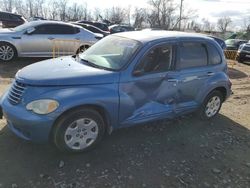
(6, 52)
(213, 106)
(81, 133)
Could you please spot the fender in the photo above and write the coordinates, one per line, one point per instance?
(105, 96)
(216, 81)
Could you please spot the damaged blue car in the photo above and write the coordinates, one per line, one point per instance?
(123, 80)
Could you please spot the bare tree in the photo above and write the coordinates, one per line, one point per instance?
(7, 5)
(246, 23)
(20, 8)
(53, 10)
(164, 14)
(38, 8)
(30, 7)
(96, 14)
(115, 14)
(223, 24)
(140, 16)
(62, 9)
(207, 25)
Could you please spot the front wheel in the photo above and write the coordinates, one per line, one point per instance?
(7, 52)
(78, 131)
(211, 105)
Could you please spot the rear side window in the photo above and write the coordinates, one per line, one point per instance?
(192, 54)
(214, 55)
(9, 17)
(55, 29)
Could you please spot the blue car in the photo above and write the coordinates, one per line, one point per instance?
(123, 80)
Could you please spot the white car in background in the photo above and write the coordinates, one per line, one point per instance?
(44, 39)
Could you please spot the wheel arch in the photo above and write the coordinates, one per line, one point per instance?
(100, 109)
(8, 42)
(221, 89)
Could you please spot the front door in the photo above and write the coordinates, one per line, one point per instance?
(48, 39)
(38, 43)
(150, 93)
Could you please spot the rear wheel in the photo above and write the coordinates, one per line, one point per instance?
(78, 131)
(7, 52)
(211, 105)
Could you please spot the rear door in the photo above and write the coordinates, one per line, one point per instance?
(65, 39)
(194, 72)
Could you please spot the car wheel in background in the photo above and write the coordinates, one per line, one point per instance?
(79, 130)
(211, 105)
(7, 52)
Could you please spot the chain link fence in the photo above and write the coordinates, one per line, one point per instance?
(231, 56)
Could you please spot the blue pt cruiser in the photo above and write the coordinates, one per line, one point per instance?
(123, 80)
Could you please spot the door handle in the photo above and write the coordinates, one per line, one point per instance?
(77, 38)
(51, 38)
(210, 73)
(172, 80)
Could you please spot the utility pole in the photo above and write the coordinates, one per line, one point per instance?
(180, 15)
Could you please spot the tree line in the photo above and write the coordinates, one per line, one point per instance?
(164, 14)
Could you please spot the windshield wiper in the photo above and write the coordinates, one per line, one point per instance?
(95, 65)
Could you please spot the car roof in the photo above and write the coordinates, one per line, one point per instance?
(147, 36)
(10, 13)
(40, 22)
(237, 40)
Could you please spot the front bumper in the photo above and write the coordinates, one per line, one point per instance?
(25, 124)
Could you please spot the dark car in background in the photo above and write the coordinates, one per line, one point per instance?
(234, 44)
(243, 54)
(120, 28)
(100, 25)
(220, 41)
(10, 20)
(92, 28)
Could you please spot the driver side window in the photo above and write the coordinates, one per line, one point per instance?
(158, 59)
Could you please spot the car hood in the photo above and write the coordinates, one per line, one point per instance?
(5, 31)
(64, 71)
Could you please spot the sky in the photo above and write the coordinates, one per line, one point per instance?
(209, 9)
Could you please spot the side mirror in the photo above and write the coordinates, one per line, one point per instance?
(30, 30)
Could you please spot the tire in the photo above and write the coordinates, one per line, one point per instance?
(240, 60)
(73, 134)
(7, 52)
(82, 49)
(211, 105)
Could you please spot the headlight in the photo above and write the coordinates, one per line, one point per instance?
(43, 106)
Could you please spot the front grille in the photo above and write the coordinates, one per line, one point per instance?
(16, 92)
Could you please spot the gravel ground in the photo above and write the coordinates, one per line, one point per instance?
(184, 152)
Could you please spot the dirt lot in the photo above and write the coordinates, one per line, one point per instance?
(184, 152)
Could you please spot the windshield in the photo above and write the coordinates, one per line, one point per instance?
(112, 52)
(246, 48)
(23, 26)
(230, 42)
